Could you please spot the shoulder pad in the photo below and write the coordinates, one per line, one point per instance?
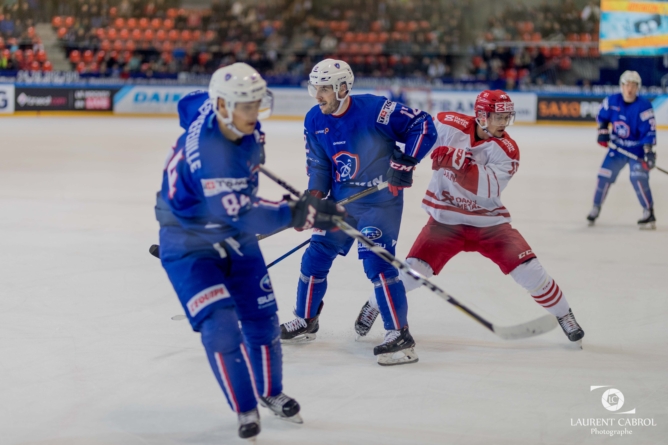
(457, 120)
(509, 146)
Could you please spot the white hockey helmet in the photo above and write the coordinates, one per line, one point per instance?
(236, 83)
(331, 72)
(630, 76)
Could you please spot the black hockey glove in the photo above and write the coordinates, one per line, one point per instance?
(309, 212)
(400, 173)
(650, 157)
(603, 136)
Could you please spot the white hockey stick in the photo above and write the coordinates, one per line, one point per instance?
(524, 330)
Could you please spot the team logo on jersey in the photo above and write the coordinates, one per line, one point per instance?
(373, 233)
(621, 129)
(385, 112)
(347, 165)
(265, 284)
(325, 131)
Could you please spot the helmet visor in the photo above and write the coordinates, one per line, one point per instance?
(313, 90)
(501, 119)
(266, 105)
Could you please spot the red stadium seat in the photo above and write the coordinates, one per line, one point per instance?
(360, 37)
(197, 35)
(62, 32)
(210, 35)
(149, 35)
(186, 35)
(113, 11)
(173, 35)
(69, 22)
(75, 56)
(383, 37)
(349, 37)
(412, 26)
(99, 57)
(358, 60)
(35, 66)
(585, 37)
(88, 56)
(582, 51)
(376, 26)
(57, 22)
(118, 45)
(81, 67)
(424, 25)
(172, 13)
(367, 48)
(400, 26)
(47, 66)
(124, 34)
(556, 51)
(156, 24)
(101, 33)
(373, 37)
(565, 63)
(130, 45)
(105, 45)
(41, 56)
(569, 51)
(143, 23)
(131, 23)
(112, 34)
(168, 24)
(119, 23)
(166, 56)
(161, 35)
(536, 37)
(167, 47)
(28, 56)
(137, 34)
(573, 37)
(593, 52)
(31, 32)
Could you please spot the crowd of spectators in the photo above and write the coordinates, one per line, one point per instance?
(20, 46)
(279, 37)
(545, 40)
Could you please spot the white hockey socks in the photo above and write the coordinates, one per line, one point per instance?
(544, 290)
(409, 282)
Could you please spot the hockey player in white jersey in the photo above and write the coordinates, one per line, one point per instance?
(473, 161)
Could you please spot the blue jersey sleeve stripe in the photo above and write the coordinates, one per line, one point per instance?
(418, 143)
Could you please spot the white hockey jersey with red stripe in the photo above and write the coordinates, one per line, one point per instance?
(471, 195)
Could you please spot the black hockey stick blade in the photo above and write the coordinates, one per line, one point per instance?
(154, 250)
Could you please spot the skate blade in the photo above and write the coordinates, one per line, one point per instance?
(359, 337)
(297, 418)
(591, 223)
(402, 357)
(648, 226)
(575, 345)
(306, 338)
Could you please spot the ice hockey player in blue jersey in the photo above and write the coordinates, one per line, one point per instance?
(633, 130)
(350, 146)
(209, 216)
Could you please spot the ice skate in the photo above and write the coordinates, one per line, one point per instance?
(571, 328)
(249, 425)
(283, 406)
(648, 221)
(398, 348)
(593, 214)
(365, 319)
(300, 330)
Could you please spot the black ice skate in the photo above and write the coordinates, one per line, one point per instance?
(365, 319)
(648, 221)
(398, 348)
(249, 424)
(571, 327)
(300, 330)
(593, 214)
(283, 406)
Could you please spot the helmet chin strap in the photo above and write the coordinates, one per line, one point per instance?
(484, 128)
(341, 101)
(228, 123)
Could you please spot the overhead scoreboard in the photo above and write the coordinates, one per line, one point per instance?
(631, 28)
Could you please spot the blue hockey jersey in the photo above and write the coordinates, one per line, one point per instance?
(353, 150)
(633, 125)
(210, 183)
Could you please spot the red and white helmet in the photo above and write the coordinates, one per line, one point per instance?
(498, 102)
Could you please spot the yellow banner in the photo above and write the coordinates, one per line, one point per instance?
(641, 7)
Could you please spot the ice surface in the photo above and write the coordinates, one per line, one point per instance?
(89, 354)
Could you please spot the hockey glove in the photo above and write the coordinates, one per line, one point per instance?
(318, 194)
(650, 157)
(309, 212)
(449, 157)
(400, 173)
(603, 137)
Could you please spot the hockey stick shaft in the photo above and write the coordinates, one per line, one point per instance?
(155, 249)
(534, 327)
(630, 155)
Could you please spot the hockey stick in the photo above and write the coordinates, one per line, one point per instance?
(155, 249)
(530, 329)
(630, 155)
